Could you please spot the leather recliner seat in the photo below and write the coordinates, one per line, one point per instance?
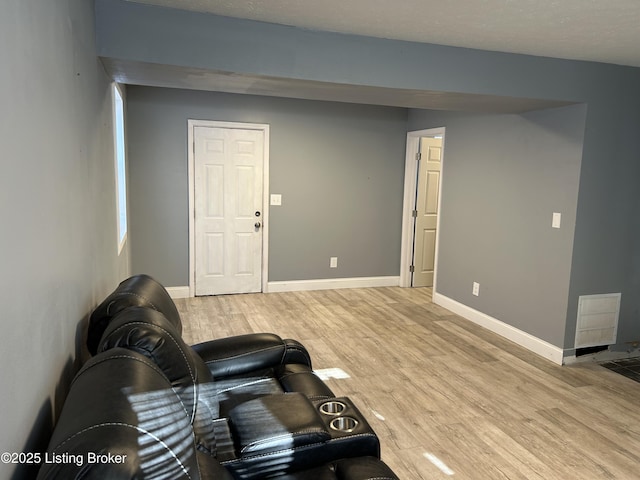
(122, 419)
(259, 432)
(242, 407)
(244, 366)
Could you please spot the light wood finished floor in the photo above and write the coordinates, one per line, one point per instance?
(435, 385)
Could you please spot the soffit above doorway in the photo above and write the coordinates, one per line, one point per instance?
(140, 73)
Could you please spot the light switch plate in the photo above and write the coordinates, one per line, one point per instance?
(276, 199)
(555, 222)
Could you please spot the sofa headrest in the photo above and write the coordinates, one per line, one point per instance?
(121, 420)
(136, 291)
(149, 333)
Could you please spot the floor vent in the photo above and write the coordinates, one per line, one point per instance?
(597, 320)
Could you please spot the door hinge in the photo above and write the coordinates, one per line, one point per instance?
(418, 156)
(414, 213)
(412, 268)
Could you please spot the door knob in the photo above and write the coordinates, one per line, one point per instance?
(257, 225)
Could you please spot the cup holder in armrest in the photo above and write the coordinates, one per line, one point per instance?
(344, 424)
(289, 432)
(332, 407)
(349, 430)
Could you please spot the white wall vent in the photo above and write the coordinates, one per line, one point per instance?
(597, 320)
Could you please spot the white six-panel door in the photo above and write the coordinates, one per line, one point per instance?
(427, 210)
(228, 209)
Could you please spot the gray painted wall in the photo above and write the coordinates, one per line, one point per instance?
(504, 176)
(339, 168)
(606, 251)
(57, 203)
(604, 257)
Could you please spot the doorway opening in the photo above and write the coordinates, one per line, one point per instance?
(421, 207)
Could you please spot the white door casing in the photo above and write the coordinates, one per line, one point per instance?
(429, 168)
(228, 175)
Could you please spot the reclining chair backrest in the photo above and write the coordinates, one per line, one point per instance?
(149, 333)
(136, 291)
(135, 417)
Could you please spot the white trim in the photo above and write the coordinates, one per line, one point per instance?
(332, 284)
(179, 292)
(191, 124)
(408, 204)
(118, 100)
(524, 339)
(192, 202)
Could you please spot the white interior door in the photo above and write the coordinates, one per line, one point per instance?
(228, 210)
(429, 170)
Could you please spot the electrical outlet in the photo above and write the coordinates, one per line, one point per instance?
(333, 262)
(476, 289)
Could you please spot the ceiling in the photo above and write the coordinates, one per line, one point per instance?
(594, 30)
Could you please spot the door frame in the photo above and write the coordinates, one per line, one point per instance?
(408, 204)
(191, 125)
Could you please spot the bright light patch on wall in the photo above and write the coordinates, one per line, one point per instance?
(120, 166)
(327, 373)
(438, 463)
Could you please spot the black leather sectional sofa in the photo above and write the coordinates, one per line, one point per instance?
(148, 406)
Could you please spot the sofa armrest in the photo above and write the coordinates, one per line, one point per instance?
(240, 354)
(295, 352)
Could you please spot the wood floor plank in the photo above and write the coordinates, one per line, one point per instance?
(437, 388)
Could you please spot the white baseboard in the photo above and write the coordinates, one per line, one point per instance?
(320, 284)
(178, 292)
(524, 339)
(332, 283)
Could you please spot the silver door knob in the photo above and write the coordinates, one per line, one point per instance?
(257, 225)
